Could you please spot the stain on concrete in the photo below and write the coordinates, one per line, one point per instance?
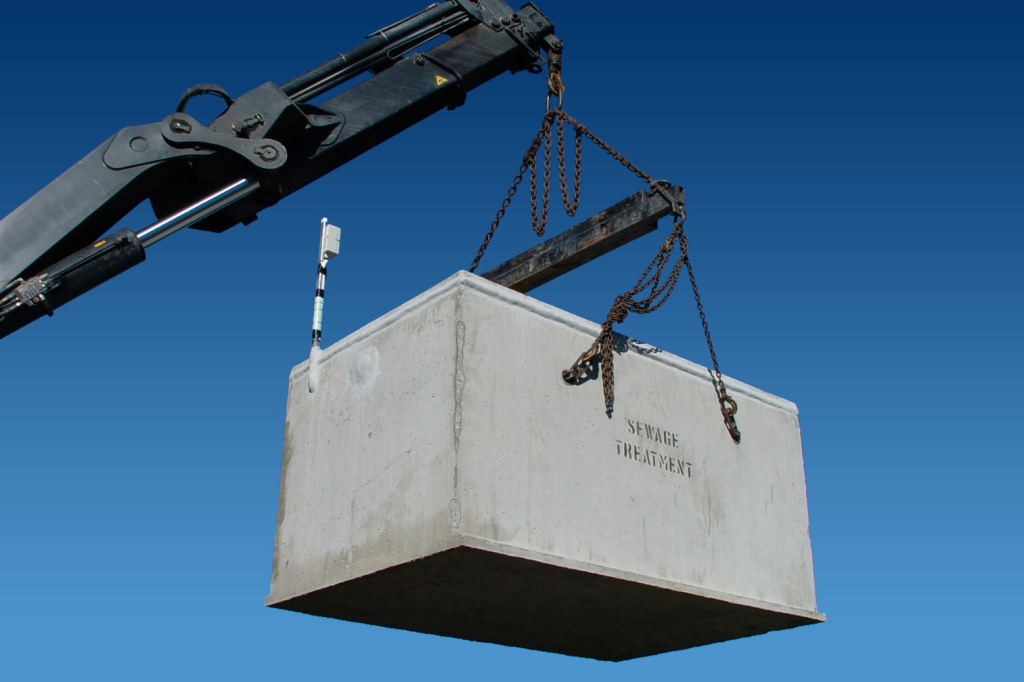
(282, 503)
(455, 509)
(365, 368)
(460, 377)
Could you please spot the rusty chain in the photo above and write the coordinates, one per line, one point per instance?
(530, 163)
(727, 404)
(570, 204)
(601, 352)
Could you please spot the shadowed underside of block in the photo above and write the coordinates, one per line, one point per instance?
(484, 596)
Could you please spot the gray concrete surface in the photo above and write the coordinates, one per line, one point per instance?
(444, 479)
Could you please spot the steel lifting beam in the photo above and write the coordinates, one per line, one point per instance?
(631, 218)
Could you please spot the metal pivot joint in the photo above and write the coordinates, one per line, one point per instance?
(181, 130)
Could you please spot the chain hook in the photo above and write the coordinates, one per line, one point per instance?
(555, 87)
(729, 410)
(555, 84)
(573, 374)
(729, 406)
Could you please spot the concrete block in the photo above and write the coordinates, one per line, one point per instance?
(444, 479)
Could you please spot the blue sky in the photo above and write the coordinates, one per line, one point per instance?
(853, 177)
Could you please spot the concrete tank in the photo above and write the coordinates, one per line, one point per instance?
(444, 479)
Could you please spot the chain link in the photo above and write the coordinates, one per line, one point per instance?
(501, 214)
(727, 404)
(539, 213)
(570, 204)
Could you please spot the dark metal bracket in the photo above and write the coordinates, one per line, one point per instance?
(181, 130)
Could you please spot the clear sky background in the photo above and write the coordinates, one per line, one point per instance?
(853, 177)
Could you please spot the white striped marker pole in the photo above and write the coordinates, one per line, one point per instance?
(330, 241)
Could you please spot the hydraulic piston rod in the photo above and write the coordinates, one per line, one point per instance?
(381, 45)
(25, 300)
(197, 211)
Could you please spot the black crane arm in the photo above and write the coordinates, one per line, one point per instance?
(268, 143)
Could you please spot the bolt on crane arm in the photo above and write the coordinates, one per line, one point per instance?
(268, 143)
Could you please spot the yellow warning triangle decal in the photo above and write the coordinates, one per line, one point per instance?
(440, 80)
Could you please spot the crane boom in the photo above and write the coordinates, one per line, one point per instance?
(268, 143)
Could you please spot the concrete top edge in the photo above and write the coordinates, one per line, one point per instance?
(498, 292)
